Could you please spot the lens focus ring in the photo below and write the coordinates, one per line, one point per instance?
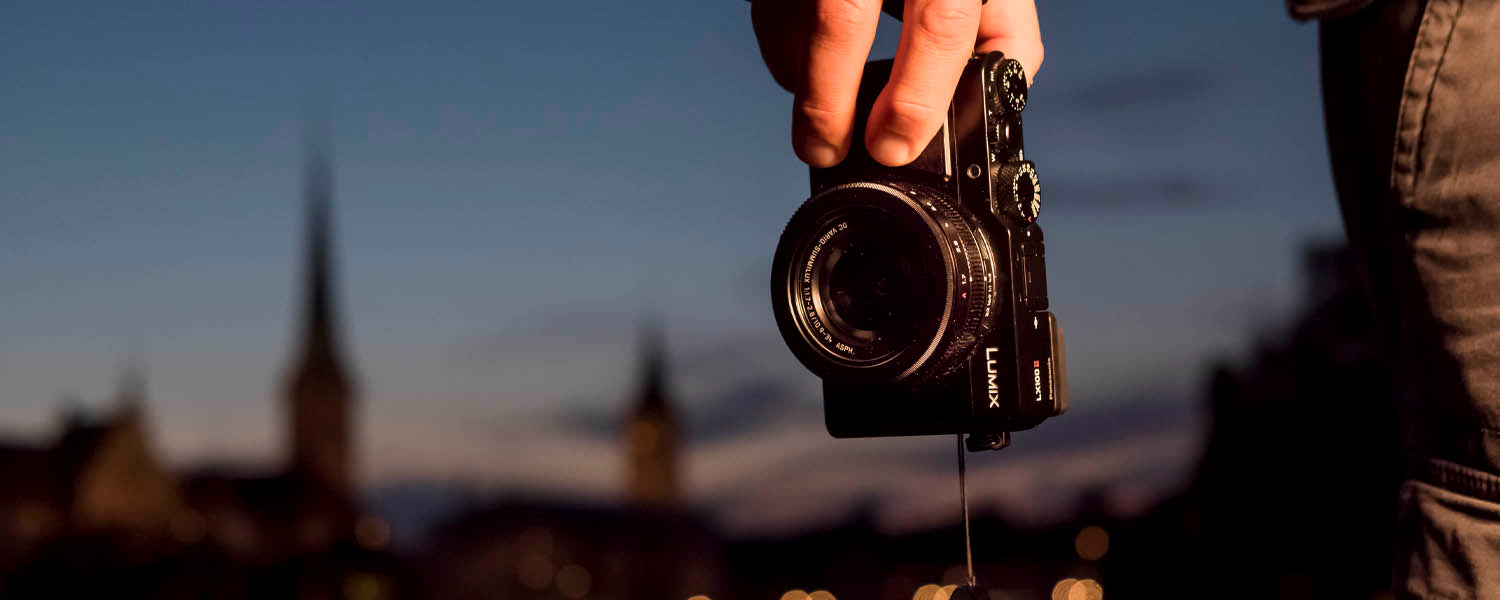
(972, 282)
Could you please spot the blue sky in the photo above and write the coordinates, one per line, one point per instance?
(518, 184)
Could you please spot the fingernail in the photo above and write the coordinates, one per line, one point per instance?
(891, 149)
(817, 152)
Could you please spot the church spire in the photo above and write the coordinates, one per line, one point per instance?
(320, 394)
(130, 391)
(653, 376)
(319, 325)
(651, 429)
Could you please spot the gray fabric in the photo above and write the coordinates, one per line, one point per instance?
(1417, 164)
(1446, 175)
(1448, 544)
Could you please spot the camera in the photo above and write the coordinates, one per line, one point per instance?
(919, 293)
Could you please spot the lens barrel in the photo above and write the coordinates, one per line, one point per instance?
(882, 282)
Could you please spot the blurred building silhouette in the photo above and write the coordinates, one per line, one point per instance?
(100, 474)
(647, 547)
(651, 430)
(1293, 497)
(1295, 494)
(319, 387)
(99, 501)
(308, 504)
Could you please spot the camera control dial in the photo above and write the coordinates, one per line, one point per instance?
(1018, 192)
(1006, 82)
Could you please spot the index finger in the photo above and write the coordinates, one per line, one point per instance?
(1010, 26)
(937, 40)
(838, 45)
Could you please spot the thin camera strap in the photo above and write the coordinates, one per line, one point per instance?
(963, 501)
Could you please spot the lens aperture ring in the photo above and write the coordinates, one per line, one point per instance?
(972, 282)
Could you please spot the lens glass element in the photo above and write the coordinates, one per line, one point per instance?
(864, 284)
(867, 282)
(868, 286)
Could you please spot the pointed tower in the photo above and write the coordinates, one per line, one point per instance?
(651, 430)
(319, 387)
(114, 478)
(130, 392)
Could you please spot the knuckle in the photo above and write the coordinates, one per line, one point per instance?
(838, 16)
(910, 116)
(948, 27)
(818, 116)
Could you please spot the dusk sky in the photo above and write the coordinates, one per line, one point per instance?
(519, 185)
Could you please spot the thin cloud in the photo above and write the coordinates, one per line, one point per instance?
(1167, 190)
(1166, 85)
(805, 478)
(739, 409)
(550, 330)
(787, 473)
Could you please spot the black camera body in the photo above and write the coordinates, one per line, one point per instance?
(919, 293)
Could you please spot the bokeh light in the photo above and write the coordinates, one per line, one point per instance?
(372, 532)
(1090, 589)
(364, 586)
(1061, 590)
(1077, 589)
(534, 571)
(1091, 543)
(573, 582)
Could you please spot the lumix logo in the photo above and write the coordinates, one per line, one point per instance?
(990, 375)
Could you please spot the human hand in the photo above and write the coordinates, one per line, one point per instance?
(817, 49)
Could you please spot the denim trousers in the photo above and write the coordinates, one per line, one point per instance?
(1411, 94)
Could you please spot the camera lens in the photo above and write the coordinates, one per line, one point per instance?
(865, 282)
(868, 286)
(880, 283)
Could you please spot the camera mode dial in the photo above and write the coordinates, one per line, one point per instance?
(1006, 83)
(1018, 192)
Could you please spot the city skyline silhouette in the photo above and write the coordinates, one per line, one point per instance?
(524, 193)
